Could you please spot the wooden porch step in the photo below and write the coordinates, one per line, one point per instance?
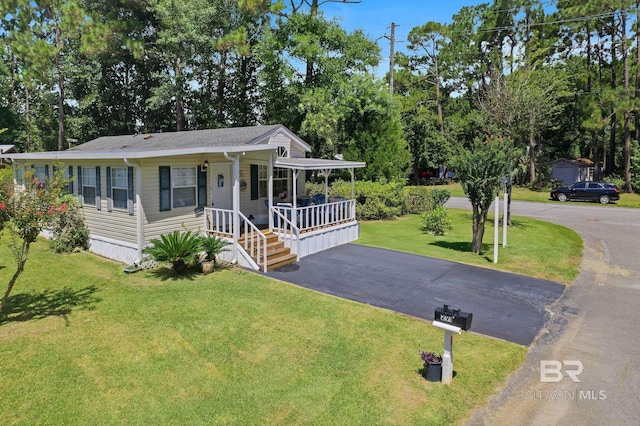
(274, 262)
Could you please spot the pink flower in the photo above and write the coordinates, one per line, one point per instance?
(39, 213)
(2, 206)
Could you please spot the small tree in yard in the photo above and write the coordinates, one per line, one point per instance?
(26, 213)
(480, 170)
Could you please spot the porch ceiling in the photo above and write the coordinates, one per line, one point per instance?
(316, 164)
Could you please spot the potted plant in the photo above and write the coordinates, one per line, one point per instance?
(432, 370)
(212, 246)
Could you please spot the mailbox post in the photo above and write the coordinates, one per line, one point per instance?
(451, 321)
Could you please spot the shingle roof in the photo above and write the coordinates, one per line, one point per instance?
(175, 140)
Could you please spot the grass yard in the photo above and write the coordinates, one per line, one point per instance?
(534, 248)
(542, 196)
(87, 344)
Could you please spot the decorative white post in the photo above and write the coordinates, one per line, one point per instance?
(505, 220)
(496, 233)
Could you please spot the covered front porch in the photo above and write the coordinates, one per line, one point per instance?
(303, 225)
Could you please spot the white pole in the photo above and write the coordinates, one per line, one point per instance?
(505, 220)
(447, 358)
(496, 225)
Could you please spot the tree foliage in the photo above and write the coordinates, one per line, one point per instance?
(27, 213)
(481, 169)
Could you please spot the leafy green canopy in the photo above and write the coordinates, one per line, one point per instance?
(480, 170)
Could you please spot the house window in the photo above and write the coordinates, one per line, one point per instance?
(89, 186)
(283, 151)
(184, 186)
(119, 187)
(18, 173)
(263, 178)
(40, 173)
(280, 181)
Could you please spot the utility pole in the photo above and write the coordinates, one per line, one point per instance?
(392, 40)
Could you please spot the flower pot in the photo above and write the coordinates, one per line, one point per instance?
(432, 372)
(207, 267)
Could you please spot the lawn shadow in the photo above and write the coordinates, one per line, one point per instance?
(463, 246)
(168, 274)
(60, 303)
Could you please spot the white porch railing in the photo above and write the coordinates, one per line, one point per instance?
(254, 242)
(285, 228)
(218, 221)
(319, 216)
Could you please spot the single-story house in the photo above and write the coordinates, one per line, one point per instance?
(242, 184)
(570, 171)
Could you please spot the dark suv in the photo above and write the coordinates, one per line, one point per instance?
(587, 191)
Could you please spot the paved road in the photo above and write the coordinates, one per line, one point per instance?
(507, 306)
(596, 322)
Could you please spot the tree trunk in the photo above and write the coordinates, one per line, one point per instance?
(22, 260)
(58, 41)
(627, 112)
(179, 96)
(479, 219)
(220, 88)
(532, 152)
(611, 154)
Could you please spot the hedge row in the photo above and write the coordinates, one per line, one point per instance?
(384, 201)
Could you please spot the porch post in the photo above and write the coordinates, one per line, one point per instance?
(235, 175)
(294, 216)
(270, 190)
(352, 191)
(326, 173)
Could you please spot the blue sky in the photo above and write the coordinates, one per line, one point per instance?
(375, 17)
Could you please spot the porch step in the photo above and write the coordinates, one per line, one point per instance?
(277, 254)
(277, 261)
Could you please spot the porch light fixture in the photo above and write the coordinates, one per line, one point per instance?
(204, 166)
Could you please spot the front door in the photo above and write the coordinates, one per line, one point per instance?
(221, 194)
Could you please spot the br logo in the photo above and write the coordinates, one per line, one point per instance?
(552, 371)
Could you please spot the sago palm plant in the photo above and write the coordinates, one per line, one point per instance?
(176, 247)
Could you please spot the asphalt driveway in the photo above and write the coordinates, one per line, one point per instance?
(507, 306)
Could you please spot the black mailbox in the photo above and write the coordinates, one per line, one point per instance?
(454, 317)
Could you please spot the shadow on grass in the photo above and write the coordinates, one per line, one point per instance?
(60, 303)
(168, 274)
(463, 246)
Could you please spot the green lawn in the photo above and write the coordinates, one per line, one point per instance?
(87, 344)
(534, 248)
(542, 196)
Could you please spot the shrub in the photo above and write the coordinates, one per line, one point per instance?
(439, 197)
(176, 247)
(69, 230)
(374, 200)
(417, 199)
(436, 220)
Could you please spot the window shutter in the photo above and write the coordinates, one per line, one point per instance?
(165, 188)
(130, 190)
(254, 181)
(98, 191)
(202, 187)
(109, 195)
(70, 184)
(46, 172)
(80, 187)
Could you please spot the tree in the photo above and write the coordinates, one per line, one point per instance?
(480, 170)
(27, 213)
